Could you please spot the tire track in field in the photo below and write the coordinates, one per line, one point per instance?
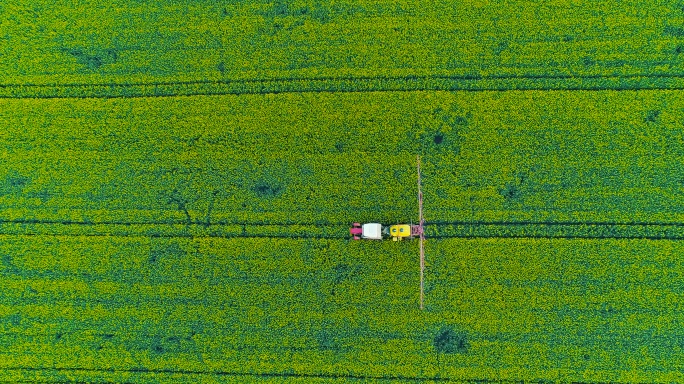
(235, 374)
(177, 236)
(285, 375)
(335, 230)
(553, 230)
(551, 237)
(352, 78)
(173, 229)
(407, 83)
(218, 223)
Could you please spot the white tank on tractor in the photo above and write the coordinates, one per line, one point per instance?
(371, 231)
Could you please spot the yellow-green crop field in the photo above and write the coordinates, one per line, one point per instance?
(177, 181)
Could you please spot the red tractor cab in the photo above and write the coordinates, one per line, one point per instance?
(356, 231)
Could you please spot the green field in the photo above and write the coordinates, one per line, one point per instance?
(177, 181)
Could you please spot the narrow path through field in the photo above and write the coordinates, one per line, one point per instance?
(408, 83)
(434, 230)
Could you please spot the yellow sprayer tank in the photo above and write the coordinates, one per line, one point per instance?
(399, 231)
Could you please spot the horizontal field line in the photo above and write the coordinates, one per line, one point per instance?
(313, 237)
(164, 222)
(288, 230)
(110, 337)
(66, 382)
(379, 90)
(407, 83)
(351, 78)
(328, 224)
(173, 236)
(560, 223)
(258, 374)
(551, 237)
(292, 375)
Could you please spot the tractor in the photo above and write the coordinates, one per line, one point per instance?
(376, 231)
